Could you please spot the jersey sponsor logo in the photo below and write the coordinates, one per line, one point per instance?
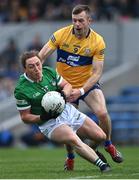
(64, 45)
(21, 102)
(62, 60)
(36, 94)
(73, 58)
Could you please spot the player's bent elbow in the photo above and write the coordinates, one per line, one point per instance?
(25, 120)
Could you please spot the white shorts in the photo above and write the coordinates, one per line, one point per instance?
(70, 116)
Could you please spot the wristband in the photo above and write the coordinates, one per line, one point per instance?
(82, 91)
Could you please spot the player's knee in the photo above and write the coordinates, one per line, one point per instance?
(72, 140)
(101, 136)
(102, 115)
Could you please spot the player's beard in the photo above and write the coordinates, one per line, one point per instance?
(80, 33)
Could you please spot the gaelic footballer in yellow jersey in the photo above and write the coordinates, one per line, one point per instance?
(76, 55)
(80, 60)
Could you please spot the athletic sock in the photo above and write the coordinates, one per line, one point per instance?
(99, 163)
(107, 143)
(70, 155)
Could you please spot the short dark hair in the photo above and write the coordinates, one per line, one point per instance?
(81, 7)
(26, 55)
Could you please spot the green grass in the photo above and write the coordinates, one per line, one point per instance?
(44, 163)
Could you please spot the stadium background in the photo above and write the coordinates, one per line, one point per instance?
(28, 25)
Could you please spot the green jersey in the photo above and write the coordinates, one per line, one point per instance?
(29, 94)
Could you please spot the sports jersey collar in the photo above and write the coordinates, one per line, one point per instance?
(30, 80)
(73, 32)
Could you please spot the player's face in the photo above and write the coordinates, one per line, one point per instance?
(34, 69)
(81, 23)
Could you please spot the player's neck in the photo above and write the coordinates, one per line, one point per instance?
(30, 78)
(38, 79)
(83, 35)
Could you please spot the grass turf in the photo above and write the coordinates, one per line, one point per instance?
(44, 163)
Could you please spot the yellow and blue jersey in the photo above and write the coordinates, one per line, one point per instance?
(75, 56)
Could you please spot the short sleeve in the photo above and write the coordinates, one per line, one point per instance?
(100, 50)
(59, 78)
(22, 102)
(54, 40)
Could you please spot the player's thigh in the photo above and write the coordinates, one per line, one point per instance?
(91, 130)
(96, 101)
(63, 134)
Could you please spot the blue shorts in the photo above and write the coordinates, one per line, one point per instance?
(96, 86)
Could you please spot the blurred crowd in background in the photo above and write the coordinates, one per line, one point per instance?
(10, 67)
(16, 11)
(35, 10)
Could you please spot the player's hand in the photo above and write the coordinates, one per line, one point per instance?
(45, 116)
(74, 95)
(63, 95)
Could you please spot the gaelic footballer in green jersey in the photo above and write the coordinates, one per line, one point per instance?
(29, 93)
(32, 85)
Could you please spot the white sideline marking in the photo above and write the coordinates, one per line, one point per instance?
(85, 177)
(96, 176)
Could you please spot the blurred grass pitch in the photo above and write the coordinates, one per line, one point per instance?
(46, 163)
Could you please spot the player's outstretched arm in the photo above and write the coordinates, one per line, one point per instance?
(45, 52)
(66, 88)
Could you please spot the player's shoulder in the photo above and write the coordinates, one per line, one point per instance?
(48, 70)
(20, 85)
(95, 35)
